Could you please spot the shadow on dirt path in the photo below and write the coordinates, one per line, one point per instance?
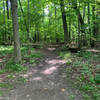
(46, 81)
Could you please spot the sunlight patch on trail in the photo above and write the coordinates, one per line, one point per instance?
(50, 70)
(37, 78)
(1, 60)
(55, 61)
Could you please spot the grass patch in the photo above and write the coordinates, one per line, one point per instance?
(85, 54)
(5, 50)
(71, 97)
(28, 55)
(65, 55)
(2, 71)
(11, 67)
(1, 93)
(6, 85)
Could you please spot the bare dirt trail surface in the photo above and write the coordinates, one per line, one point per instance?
(47, 81)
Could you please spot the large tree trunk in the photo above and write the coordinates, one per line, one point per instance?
(96, 24)
(95, 27)
(66, 34)
(17, 52)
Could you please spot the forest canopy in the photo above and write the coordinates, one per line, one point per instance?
(74, 22)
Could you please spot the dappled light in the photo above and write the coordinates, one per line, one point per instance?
(51, 66)
(94, 50)
(47, 46)
(51, 49)
(37, 78)
(5, 49)
(50, 70)
(65, 55)
(55, 61)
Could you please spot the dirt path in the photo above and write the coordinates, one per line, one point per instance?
(47, 81)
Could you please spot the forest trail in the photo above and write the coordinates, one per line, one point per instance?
(47, 81)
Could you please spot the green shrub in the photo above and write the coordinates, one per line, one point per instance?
(85, 54)
(71, 97)
(6, 85)
(5, 50)
(2, 71)
(87, 87)
(77, 63)
(65, 55)
(11, 67)
(1, 93)
(97, 78)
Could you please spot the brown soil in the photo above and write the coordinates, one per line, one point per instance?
(45, 81)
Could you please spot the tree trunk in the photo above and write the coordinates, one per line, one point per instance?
(74, 4)
(89, 20)
(8, 17)
(7, 7)
(28, 19)
(94, 26)
(4, 15)
(25, 21)
(84, 10)
(66, 34)
(56, 35)
(79, 33)
(17, 52)
(70, 21)
(96, 23)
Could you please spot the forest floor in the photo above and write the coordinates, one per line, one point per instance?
(47, 80)
(50, 74)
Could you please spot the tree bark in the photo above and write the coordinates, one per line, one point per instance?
(56, 35)
(89, 20)
(7, 7)
(65, 27)
(81, 20)
(79, 32)
(28, 14)
(96, 23)
(74, 4)
(4, 15)
(25, 21)
(17, 52)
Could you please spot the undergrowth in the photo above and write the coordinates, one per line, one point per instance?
(29, 56)
(84, 70)
(11, 67)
